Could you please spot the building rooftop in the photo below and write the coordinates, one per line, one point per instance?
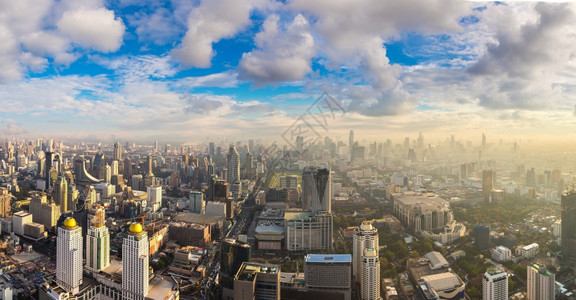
(328, 258)
(436, 260)
(297, 215)
(426, 202)
(442, 281)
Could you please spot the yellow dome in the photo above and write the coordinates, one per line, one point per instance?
(135, 228)
(70, 222)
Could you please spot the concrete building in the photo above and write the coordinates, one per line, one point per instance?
(233, 161)
(196, 202)
(308, 231)
(501, 254)
(60, 193)
(370, 283)
(20, 219)
(482, 236)
(135, 267)
(154, 197)
(495, 285)
(541, 283)
(69, 256)
(365, 236)
(189, 234)
(528, 251)
(257, 281)
(329, 272)
(422, 211)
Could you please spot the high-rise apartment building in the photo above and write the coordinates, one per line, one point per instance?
(316, 189)
(370, 284)
(365, 236)
(69, 256)
(135, 273)
(495, 285)
(98, 243)
(541, 283)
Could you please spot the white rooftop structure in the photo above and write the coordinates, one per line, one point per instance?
(436, 259)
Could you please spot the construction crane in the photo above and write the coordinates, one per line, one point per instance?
(143, 217)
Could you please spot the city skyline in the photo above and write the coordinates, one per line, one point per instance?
(182, 71)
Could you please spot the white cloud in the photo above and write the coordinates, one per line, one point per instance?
(93, 28)
(208, 23)
(282, 55)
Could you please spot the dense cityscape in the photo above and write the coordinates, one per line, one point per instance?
(243, 220)
(287, 149)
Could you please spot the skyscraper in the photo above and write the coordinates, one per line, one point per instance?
(69, 256)
(61, 193)
(482, 236)
(495, 285)
(316, 189)
(568, 225)
(541, 283)
(98, 243)
(483, 140)
(370, 284)
(117, 151)
(135, 266)
(233, 165)
(487, 184)
(211, 149)
(365, 237)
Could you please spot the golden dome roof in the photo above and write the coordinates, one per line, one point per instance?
(135, 228)
(70, 222)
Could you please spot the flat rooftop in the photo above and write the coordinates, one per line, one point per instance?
(297, 215)
(427, 201)
(328, 258)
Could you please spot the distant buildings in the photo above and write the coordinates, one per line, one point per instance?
(487, 185)
(541, 283)
(495, 285)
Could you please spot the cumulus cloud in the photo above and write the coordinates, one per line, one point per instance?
(98, 29)
(208, 23)
(282, 55)
(200, 104)
(527, 63)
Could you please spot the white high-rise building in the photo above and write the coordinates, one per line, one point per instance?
(316, 189)
(541, 283)
(365, 236)
(135, 272)
(495, 285)
(233, 165)
(154, 197)
(69, 256)
(370, 284)
(98, 243)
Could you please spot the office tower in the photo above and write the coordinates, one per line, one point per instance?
(69, 256)
(233, 254)
(196, 202)
(487, 184)
(135, 274)
(365, 236)
(98, 243)
(316, 189)
(117, 151)
(370, 284)
(114, 166)
(61, 193)
(329, 272)
(568, 225)
(73, 195)
(233, 165)
(541, 283)
(156, 147)
(257, 281)
(211, 149)
(307, 231)
(483, 140)
(482, 236)
(5, 206)
(495, 285)
(149, 166)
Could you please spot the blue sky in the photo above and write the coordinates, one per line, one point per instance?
(188, 71)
